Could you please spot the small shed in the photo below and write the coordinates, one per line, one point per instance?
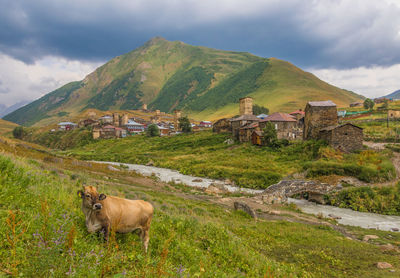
(346, 137)
(245, 131)
(164, 131)
(65, 126)
(257, 138)
(222, 125)
(205, 124)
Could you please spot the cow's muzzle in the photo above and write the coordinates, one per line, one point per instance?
(97, 206)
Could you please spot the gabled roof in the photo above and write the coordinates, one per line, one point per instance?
(261, 116)
(329, 128)
(131, 122)
(245, 117)
(109, 126)
(326, 103)
(250, 125)
(298, 112)
(279, 117)
(67, 123)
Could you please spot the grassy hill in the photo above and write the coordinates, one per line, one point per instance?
(206, 83)
(6, 126)
(191, 236)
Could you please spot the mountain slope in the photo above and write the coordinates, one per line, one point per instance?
(394, 95)
(205, 83)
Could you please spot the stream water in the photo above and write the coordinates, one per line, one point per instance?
(344, 216)
(350, 217)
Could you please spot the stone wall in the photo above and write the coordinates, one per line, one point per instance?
(316, 118)
(222, 125)
(347, 138)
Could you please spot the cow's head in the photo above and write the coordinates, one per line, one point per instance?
(97, 205)
(89, 196)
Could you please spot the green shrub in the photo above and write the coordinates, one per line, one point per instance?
(384, 200)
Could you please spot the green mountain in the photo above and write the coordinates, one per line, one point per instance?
(205, 83)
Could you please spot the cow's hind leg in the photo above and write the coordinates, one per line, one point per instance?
(144, 235)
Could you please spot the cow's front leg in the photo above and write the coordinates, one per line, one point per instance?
(106, 232)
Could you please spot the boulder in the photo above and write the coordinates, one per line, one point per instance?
(245, 207)
(368, 237)
(197, 180)
(213, 190)
(383, 265)
(387, 247)
(229, 141)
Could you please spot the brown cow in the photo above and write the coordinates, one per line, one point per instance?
(109, 212)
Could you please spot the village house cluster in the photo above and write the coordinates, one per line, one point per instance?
(319, 120)
(118, 125)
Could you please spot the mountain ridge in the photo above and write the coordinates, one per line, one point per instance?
(205, 83)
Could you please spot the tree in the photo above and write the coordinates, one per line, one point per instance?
(369, 104)
(153, 130)
(185, 125)
(269, 133)
(257, 110)
(19, 132)
(385, 104)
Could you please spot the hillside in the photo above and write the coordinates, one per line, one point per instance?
(394, 95)
(6, 126)
(205, 83)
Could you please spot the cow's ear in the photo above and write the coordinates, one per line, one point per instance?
(102, 196)
(80, 193)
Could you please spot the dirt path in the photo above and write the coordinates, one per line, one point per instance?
(395, 160)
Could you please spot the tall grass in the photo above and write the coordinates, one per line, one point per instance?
(42, 234)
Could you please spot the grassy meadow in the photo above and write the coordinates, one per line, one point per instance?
(205, 154)
(43, 233)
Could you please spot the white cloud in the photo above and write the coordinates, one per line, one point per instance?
(19, 81)
(370, 82)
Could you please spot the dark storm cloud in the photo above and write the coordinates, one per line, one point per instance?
(331, 33)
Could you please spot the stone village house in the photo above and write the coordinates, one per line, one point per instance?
(287, 127)
(346, 137)
(321, 122)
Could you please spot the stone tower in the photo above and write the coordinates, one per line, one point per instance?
(116, 119)
(177, 115)
(124, 120)
(246, 106)
(319, 114)
(144, 106)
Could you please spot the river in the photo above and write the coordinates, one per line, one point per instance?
(346, 216)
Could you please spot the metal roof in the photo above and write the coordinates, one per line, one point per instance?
(131, 122)
(246, 117)
(321, 103)
(67, 123)
(279, 117)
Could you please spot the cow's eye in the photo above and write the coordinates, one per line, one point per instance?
(88, 195)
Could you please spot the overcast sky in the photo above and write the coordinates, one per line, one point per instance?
(352, 44)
